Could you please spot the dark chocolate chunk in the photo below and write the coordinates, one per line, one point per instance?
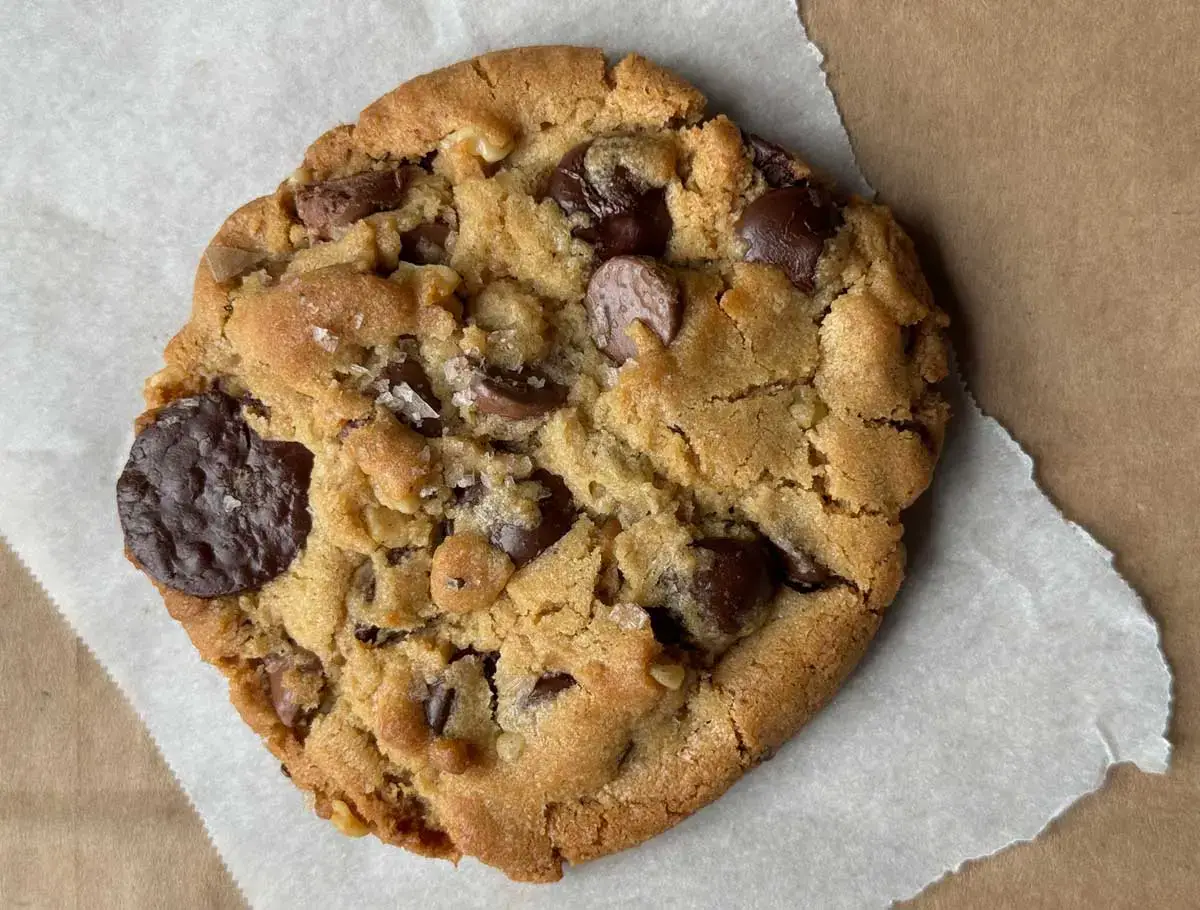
(557, 514)
(207, 505)
(569, 186)
(733, 579)
(426, 244)
(642, 231)
(777, 165)
(344, 200)
(405, 390)
(629, 219)
(516, 395)
(799, 569)
(627, 289)
(547, 687)
(788, 228)
(438, 705)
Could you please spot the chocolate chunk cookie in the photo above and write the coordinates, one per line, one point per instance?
(532, 463)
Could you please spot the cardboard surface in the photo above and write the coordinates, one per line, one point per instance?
(1047, 157)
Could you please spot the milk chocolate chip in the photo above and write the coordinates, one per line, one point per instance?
(516, 395)
(626, 289)
(207, 505)
(788, 228)
(557, 514)
(629, 218)
(343, 201)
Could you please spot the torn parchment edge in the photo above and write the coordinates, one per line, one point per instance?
(962, 397)
(1159, 749)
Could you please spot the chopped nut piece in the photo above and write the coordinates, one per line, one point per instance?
(490, 148)
(669, 675)
(509, 746)
(344, 819)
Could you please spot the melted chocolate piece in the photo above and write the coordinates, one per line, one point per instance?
(207, 505)
(629, 218)
(732, 582)
(788, 228)
(776, 163)
(516, 395)
(557, 510)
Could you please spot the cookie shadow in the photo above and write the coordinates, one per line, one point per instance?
(919, 517)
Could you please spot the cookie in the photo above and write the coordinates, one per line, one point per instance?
(532, 462)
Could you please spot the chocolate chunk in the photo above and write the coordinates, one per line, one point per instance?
(557, 515)
(426, 244)
(630, 219)
(788, 228)
(629, 288)
(207, 505)
(548, 686)
(776, 163)
(732, 581)
(643, 231)
(799, 570)
(340, 202)
(405, 390)
(438, 705)
(283, 698)
(516, 395)
(569, 185)
(226, 262)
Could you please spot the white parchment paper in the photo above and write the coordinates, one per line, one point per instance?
(1013, 670)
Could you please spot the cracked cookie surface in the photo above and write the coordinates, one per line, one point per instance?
(532, 463)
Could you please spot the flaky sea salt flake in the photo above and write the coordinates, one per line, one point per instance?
(325, 338)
